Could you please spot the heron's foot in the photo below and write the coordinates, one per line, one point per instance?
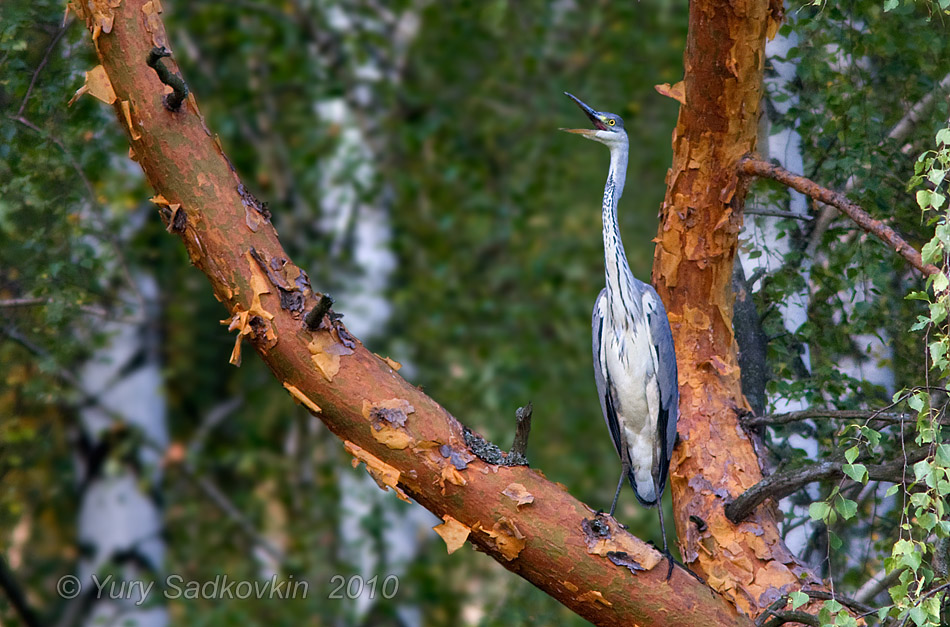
(671, 560)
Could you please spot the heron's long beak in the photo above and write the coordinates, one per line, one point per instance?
(586, 132)
(594, 117)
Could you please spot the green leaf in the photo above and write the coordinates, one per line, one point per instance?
(833, 540)
(846, 507)
(912, 559)
(819, 510)
(891, 491)
(943, 135)
(923, 198)
(940, 282)
(890, 5)
(798, 599)
(938, 312)
(922, 470)
(930, 252)
(857, 472)
(922, 322)
(843, 619)
(852, 454)
(873, 437)
(927, 520)
(936, 198)
(943, 455)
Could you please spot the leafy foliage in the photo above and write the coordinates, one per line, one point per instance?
(850, 62)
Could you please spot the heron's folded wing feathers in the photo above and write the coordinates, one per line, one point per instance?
(600, 373)
(666, 375)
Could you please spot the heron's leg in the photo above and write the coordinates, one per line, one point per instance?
(623, 475)
(659, 509)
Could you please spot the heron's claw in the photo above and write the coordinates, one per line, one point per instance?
(671, 560)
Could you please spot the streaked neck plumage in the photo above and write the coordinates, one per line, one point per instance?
(615, 259)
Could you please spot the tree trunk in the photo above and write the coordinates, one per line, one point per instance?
(701, 217)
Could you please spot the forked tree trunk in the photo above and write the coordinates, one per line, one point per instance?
(411, 444)
(701, 218)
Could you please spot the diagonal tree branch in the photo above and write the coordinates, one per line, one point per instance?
(751, 166)
(898, 133)
(408, 442)
(16, 596)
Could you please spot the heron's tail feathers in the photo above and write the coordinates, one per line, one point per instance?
(645, 491)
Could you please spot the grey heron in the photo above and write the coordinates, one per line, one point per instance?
(634, 361)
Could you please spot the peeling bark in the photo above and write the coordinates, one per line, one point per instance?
(586, 562)
(701, 217)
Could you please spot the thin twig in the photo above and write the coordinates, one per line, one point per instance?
(854, 604)
(778, 214)
(39, 68)
(93, 201)
(223, 503)
(212, 419)
(15, 303)
(757, 167)
(90, 191)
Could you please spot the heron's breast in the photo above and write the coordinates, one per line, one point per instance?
(629, 361)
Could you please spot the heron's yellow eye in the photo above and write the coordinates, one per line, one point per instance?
(611, 122)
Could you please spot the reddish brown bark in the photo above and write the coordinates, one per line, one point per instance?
(591, 568)
(700, 221)
(757, 167)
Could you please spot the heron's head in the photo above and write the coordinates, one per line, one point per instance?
(608, 127)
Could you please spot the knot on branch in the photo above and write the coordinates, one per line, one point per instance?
(491, 453)
(173, 100)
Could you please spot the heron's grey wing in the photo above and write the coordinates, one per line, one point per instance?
(600, 371)
(666, 376)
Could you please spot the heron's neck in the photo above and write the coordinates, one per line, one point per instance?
(615, 259)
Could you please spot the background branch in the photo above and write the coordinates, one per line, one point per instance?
(16, 597)
(806, 414)
(757, 167)
(782, 484)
